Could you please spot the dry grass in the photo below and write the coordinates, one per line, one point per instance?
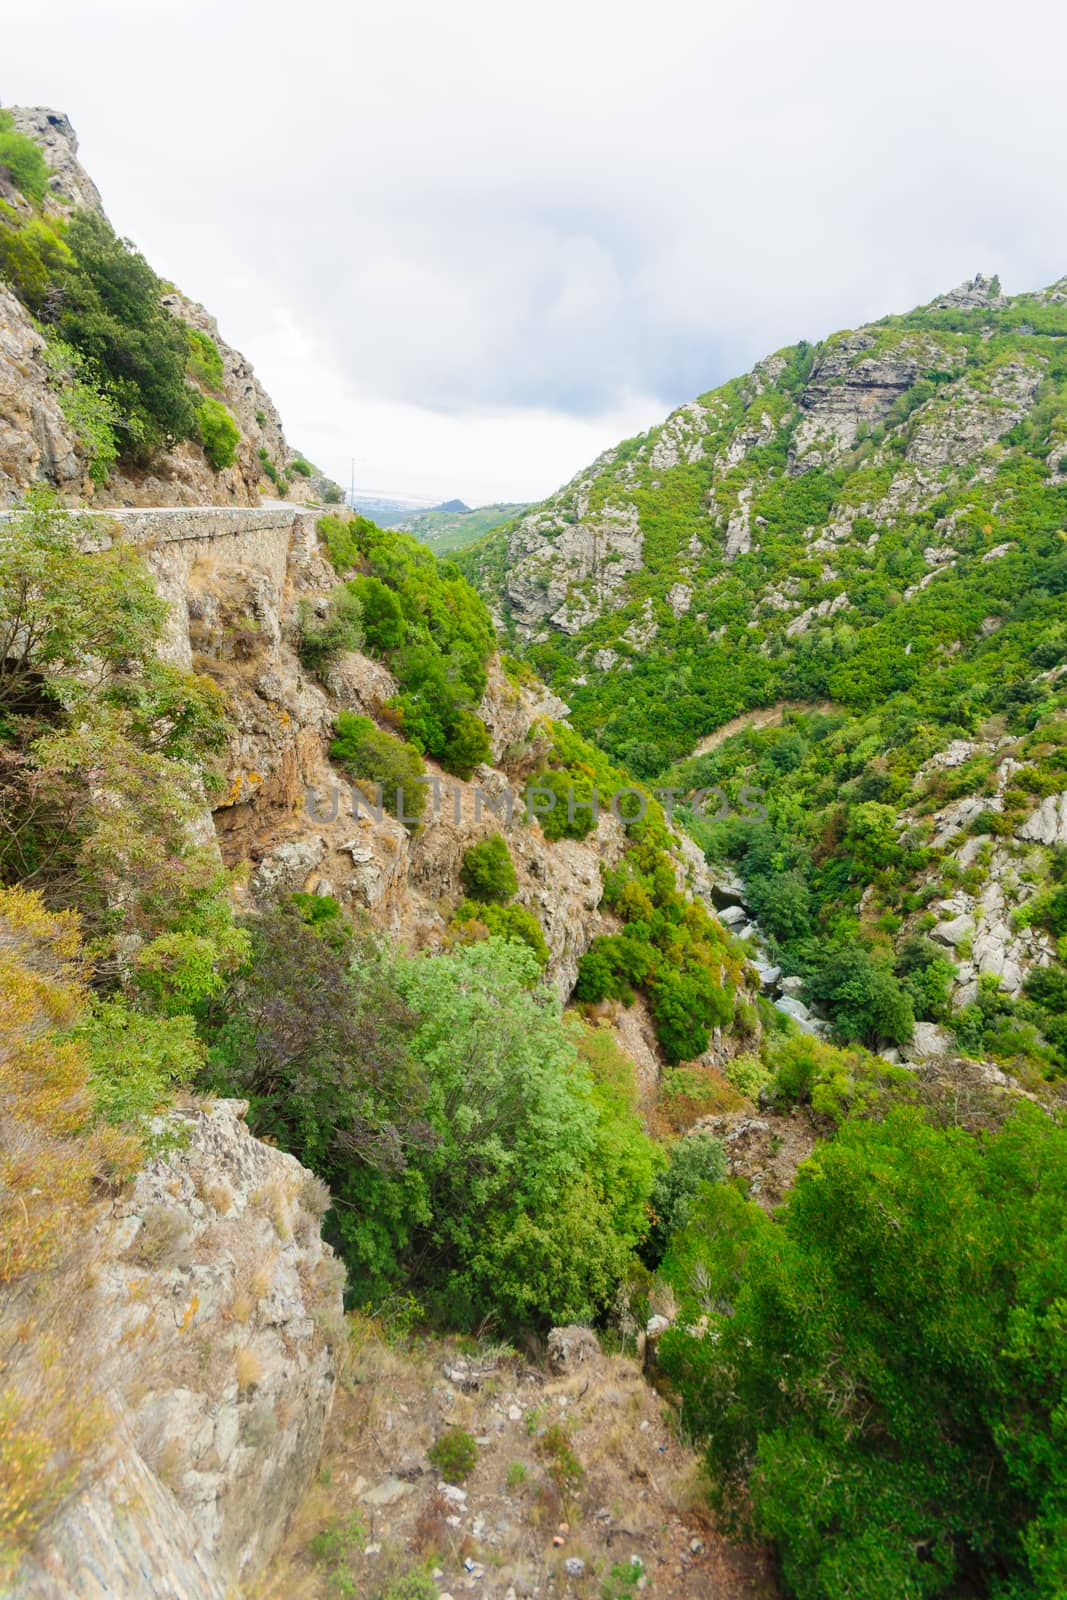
(220, 1196)
(162, 1235)
(54, 1169)
(249, 1369)
(262, 1277)
(241, 1307)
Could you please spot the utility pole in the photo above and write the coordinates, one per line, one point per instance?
(352, 491)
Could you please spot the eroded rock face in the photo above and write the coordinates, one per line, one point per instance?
(292, 820)
(216, 1307)
(70, 184)
(569, 572)
(36, 443)
(849, 388)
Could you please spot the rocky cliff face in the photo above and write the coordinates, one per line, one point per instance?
(210, 1325)
(38, 444)
(236, 581)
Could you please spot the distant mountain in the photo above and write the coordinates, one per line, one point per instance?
(384, 510)
(450, 526)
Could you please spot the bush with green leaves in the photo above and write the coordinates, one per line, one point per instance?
(472, 1156)
(421, 617)
(112, 312)
(562, 802)
(395, 768)
(105, 748)
(866, 1000)
(455, 1454)
(89, 412)
(321, 638)
(879, 1387)
(136, 1061)
(835, 1082)
(694, 1162)
(479, 920)
(205, 361)
(23, 160)
(218, 432)
(488, 872)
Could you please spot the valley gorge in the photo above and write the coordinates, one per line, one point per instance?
(531, 1068)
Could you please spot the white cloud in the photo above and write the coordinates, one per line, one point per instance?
(503, 237)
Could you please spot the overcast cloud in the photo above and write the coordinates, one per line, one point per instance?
(474, 243)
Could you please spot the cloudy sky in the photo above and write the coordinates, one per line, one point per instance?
(472, 243)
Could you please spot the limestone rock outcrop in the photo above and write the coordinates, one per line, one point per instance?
(214, 1313)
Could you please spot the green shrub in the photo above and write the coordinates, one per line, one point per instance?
(913, 1293)
(570, 815)
(218, 433)
(695, 1162)
(418, 1584)
(686, 1004)
(454, 1454)
(33, 258)
(112, 313)
(135, 1061)
(367, 751)
(867, 1002)
(505, 922)
(564, 1468)
(467, 744)
(205, 362)
(301, 467)
(23, 160)
(89, 412)
(320, 640)
(488, 872)
(746, 1074)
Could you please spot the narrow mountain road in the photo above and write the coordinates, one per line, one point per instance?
(763, 717)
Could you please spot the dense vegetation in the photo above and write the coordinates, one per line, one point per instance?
(876, 1374)
(471, 1155)
(424, 620)
(121, 363)
(879, 1375)
(896, 609)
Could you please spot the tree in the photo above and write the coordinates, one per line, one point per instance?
(23, 159)
(882, 1396)
(467, 745)
(383, 619)
(536, 1186)
(367, 751)
(864, 998)
(71, 618)
(695, 1161)
(488, 872)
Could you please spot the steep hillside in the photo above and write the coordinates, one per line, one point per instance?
(863, 543)
(776, 538)
(113, 385)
